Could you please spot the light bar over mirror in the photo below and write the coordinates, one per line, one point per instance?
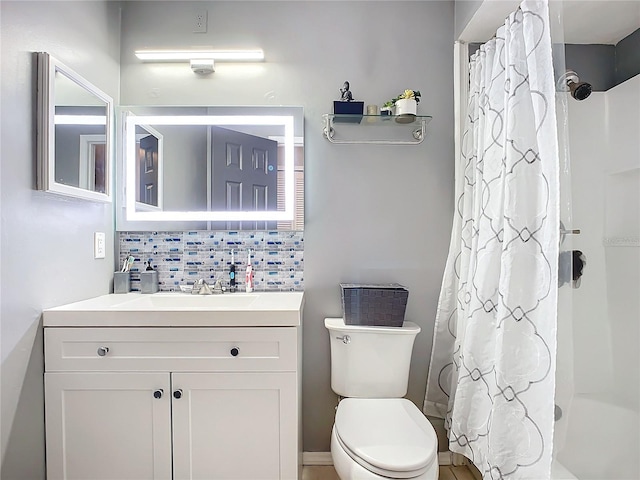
(219, 168)
(187, 55)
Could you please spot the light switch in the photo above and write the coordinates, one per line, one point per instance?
(99, 245)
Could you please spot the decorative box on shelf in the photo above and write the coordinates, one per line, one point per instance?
(353, 109)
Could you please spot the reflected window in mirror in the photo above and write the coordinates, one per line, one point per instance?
(297, 223)
(74, 133)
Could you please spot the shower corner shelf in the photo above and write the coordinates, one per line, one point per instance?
(413, 128)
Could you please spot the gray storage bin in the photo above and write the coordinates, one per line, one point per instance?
(373, 304)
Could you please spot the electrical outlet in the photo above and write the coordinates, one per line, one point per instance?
(200, 22)
(99, 245)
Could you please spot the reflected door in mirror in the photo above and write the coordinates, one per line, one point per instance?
(244, 175)
(147, 187)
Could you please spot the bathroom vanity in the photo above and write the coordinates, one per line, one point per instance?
(174, 386)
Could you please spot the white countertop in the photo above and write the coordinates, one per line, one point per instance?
(164, 309)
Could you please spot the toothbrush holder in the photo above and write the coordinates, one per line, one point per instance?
(121, 282)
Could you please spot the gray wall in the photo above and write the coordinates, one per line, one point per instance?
(593, 63)
(628, 57)
(603, 66)
(46, 256)
(373, 213)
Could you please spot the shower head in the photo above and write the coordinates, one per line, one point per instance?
(580, 90)
(569, 82)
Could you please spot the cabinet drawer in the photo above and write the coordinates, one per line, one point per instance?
(171, 349)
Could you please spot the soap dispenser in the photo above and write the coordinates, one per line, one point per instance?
(149, 279)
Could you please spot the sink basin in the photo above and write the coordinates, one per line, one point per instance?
(171, 309)
(179, 301)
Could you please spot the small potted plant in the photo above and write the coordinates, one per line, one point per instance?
(407, 102)
(387, 108)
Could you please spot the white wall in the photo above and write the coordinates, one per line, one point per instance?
(46, 256)
(588, 149)
(622, 238)
(605, 171)
(373, 213)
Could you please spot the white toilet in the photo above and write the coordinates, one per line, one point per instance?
(377, 434)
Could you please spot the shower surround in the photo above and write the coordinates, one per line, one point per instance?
(600, 357)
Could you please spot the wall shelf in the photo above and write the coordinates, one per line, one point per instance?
(377, 129)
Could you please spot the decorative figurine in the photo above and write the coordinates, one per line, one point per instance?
(347, 106)
(346, 93)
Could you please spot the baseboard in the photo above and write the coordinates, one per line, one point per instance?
(324, 458)
(451, 458)
(317, 458)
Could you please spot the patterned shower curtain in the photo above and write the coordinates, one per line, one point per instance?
(493, 361)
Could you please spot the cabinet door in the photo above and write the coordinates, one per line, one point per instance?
(106, 426)
(229, 426)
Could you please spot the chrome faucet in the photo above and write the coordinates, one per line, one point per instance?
(201, 287)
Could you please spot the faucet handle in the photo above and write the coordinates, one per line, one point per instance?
(217, 287)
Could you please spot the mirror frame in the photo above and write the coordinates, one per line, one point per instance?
(132, 120)
(47, 67)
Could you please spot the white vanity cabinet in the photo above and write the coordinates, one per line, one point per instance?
(158, 402)
(107, 425)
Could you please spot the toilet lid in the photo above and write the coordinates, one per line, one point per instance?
(389, 434)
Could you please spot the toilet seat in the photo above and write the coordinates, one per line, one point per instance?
(389, 437)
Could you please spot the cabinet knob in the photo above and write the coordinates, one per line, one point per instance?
(177, 394)
(102, 351)
(235, 351)
(158, 393)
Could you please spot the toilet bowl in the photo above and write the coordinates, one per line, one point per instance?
(377, 434)
(383, 439)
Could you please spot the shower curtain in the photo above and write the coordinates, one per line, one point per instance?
(493, 360)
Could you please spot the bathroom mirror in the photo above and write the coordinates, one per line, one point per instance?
(211, 167)
(75, 121)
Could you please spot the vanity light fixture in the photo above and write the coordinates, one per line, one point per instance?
(186, 55)
(202, 61)
(203, 66)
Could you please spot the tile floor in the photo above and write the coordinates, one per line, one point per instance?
(447, 472)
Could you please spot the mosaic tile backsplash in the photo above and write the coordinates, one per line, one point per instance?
(184, 257)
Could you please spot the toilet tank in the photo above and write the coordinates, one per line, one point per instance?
(368, 361)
